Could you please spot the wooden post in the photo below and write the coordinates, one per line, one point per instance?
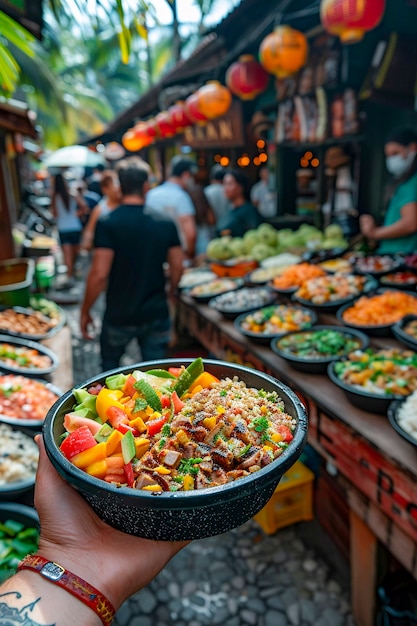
(363, 563)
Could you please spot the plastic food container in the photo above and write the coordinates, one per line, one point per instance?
(16, 277)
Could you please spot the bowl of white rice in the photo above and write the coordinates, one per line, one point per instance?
(18, 462)
(402, 415)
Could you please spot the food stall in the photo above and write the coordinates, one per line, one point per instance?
(372, 465)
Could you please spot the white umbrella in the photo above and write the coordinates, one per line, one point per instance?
(74, 156)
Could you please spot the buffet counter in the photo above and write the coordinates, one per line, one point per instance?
(377, 465)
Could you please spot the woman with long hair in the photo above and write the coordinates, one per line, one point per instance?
(399, 230)
(242, 215)
(66, 210)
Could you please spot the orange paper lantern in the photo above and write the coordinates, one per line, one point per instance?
(283, 52)
(247, 78)
(214, 99)
(351, 19)
(178, 117)
(192, 110)
(136, 138)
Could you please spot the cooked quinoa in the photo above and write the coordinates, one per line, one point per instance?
(222, 433)
(18, 455)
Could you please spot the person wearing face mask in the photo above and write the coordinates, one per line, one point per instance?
(399, 230)
(173, 201)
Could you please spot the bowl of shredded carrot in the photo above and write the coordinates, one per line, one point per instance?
(376, 314)
(294, 276)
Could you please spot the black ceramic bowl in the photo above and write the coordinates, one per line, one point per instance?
(316, 365)
(204, 292)
(401, 335)
(189, 514)
(377, 330)
(393, 263)
(28, 371)
(392, 414)
(331, 307)
(403, 282)
(265, 338)
(243, 300)
(29, 425)
(12, 490)
(22, 514)
(34, 336)
(367, 401)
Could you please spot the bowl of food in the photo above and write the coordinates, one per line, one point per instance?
(371, 379)
(24, 402)
(332, 291)
(405, 279)
(406, 331)
(193, 277)
(204, 292)
(312, 350)
(376, 314)
(18, 462)
(19, 535)
(336, 265)
(402, 415)
(22, 356)
(233, 268)
(263, 324)
(203, 457)
(376, 265)
(263, 275)
(28, 323)
(234, 303)
(294, 276)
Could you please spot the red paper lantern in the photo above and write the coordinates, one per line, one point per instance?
(152, 128)
(192, 110)
(247, 78)
(178, 117)
(136, 138)
(351, 19)
(283, 52)
(214, 99)
(164, 125)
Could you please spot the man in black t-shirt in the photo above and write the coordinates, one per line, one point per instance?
(130, 248)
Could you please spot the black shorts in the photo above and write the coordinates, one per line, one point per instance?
(72, 237)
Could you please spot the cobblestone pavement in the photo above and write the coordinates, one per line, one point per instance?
(241, 578)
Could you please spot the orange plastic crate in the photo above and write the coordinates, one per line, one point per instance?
(291, 502)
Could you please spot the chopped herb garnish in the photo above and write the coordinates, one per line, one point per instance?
(244, 450)
(223, 393)
(262, 393)
(178, 479)
(140, 405)
(166, 430)
(162, 442)
(189, 466)
(283, 445)
(260, 424)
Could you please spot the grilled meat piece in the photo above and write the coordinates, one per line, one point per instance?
(170, 458)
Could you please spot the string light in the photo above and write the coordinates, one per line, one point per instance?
(224, 161)
(315, 162)
(260, 144)
(304, 162)
(256, 161)
(263, 157)
(217, 158)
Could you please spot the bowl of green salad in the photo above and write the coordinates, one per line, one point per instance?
(311, 350)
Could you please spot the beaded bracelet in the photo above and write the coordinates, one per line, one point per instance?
(72, 583)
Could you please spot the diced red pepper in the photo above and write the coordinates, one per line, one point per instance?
(177, 402)
(123, 428)
(155, 426)
(165, 402)
(77, 441)
(129, 473)
(285, 432)
(115, 415)
(175, 371)
(128, 388)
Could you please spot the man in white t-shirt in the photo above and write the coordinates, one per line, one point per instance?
(261, 195)
(172, 200)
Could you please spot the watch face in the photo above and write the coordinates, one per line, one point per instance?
(53, 571)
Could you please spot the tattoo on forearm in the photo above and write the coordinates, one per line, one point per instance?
(11, 616)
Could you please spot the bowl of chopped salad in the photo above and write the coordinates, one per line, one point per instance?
(261, 325)
(22, 356)
(176, 450)
(24, 402)
(18, 462)
(313, 349)
(371, 379)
